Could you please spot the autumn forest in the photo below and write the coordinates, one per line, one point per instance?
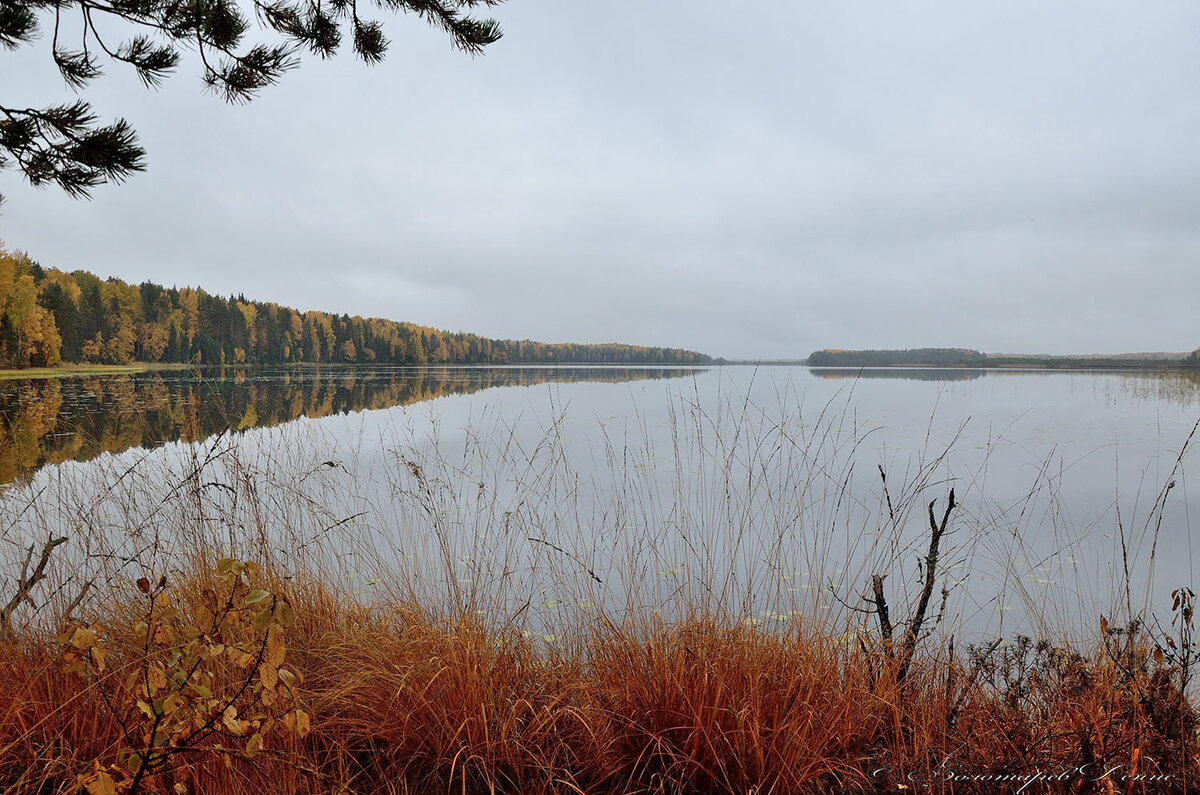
(51, 316)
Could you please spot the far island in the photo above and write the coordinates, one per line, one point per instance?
(965, 357)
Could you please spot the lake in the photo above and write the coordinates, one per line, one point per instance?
(538, 494)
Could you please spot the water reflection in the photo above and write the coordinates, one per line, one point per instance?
(48, 421)
(904, 373)
(1177, 386)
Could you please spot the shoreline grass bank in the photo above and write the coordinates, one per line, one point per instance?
(68, 370)
(400, 698)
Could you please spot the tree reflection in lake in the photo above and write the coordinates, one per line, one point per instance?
(48, 421)
(1175, 385)
(906, 373)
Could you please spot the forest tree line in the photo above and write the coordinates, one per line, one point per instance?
(51, 316)
(945, 357)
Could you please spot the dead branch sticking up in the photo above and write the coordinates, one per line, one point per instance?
(26, 582)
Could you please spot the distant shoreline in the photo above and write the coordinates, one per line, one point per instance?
(76, 370)
(970, 359)
(1082, 365)
(69, 370)
(1014, 367)
(1012, 363)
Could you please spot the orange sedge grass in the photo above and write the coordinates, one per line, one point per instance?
(404, 700)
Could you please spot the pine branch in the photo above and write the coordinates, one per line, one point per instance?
(66, 145)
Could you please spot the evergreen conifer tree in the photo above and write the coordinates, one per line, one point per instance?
(68, 145)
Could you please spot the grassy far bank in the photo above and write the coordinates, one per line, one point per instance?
(67, 370)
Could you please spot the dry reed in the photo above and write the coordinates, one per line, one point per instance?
(499, 622)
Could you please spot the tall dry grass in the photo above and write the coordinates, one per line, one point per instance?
(408, 701)
(490, 617)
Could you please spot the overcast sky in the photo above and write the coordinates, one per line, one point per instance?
(751, 179)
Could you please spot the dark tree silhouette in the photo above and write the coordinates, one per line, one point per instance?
(69, 146)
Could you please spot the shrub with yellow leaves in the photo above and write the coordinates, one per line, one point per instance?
(207, 677)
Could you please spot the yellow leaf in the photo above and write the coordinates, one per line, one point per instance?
(298, 722)
(156, 679)
(256, 596)
(100, 783)
(262, 620)
(269, 678)
(275, 648)
(72, 662)
(98, 655)
(254, 744)
(283, 613)
(83, 639)
(229, 719)
(171, 703)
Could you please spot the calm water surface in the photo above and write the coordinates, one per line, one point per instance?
(553, 489)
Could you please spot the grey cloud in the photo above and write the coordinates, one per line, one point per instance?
(760, 183)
